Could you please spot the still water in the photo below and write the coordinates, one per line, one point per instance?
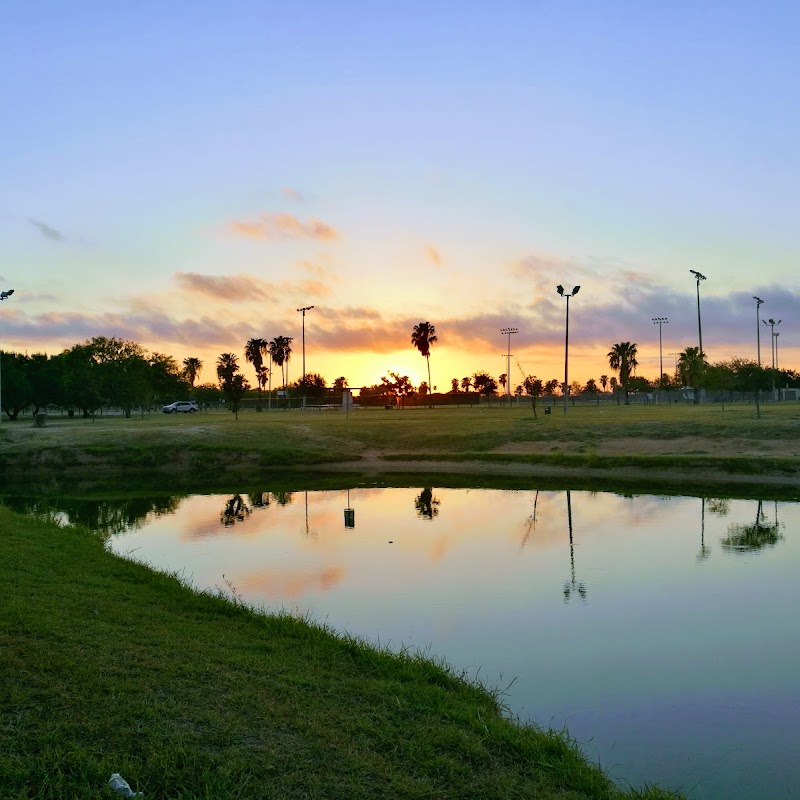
(659, 630)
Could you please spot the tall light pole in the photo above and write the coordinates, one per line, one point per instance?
(772, 323)
(508, 332)
(759, 301)
(660, 321)
(700, 277)
(303, 310)
(3, 296)
(560, 290)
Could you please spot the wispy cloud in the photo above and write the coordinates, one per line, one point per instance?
(279, 227)
(292, 194)
(247, 288)
(48, 231)
(434, 256)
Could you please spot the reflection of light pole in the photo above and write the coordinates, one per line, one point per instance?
(571, 585)
(660, 321)
(759, 301)
(307, 308)
(508, 332)
(3, 296)
(705, 552)
(560, 290)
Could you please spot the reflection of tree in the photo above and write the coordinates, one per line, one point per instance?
(426, 504)
(705, 552)
(719, 506)
(283, 498)
(749, 538)
(104, 516)
(235, 511)
(530, 523)
(259, 499)
(571, 586)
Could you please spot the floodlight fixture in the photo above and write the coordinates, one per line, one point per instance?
(560, 290)
(6, 294)
(303, 311)
(660, 321)
(508, 332)
(759, 302)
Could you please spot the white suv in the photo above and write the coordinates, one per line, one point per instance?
(183, 406)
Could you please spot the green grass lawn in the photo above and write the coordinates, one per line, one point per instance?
(209, 444)
(110, 667)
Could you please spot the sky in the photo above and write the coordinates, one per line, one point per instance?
(188, 174)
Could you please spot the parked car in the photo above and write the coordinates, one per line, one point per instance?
(182, 406)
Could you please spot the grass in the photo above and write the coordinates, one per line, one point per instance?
(198, 448)
(110, 667)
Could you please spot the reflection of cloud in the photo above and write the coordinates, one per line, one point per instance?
(47, 231)
(277, 227)
(434, 255)
(286, 584)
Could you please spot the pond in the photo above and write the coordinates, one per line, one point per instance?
(658, 630)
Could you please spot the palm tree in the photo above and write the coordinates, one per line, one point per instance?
(254, 352)
(192, 368)
(422, 337)
(466, 383)
(622, 357)
(691, 366)
(604, 381)
(279, 352)
(227, 367)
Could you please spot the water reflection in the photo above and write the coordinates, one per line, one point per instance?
(426, 504)
(748, 538)
(572, 585)
(235, 511)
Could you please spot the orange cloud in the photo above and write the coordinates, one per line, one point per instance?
(278, 227)
(434, 255)
(246, 287)
(292, 194)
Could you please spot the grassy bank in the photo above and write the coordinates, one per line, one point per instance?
(204, 447)
(110, 667)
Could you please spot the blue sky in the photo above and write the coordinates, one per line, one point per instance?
(187, 174)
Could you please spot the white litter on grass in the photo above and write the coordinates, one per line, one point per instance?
(121, 786)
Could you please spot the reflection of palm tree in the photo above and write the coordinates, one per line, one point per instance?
(235, 511)
(283, 498)
(705, 552)
(258, 499)
(572, 585)
(749, 538)
(530, 523)
(426, 504)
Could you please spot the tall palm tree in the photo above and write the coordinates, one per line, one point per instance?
(280, 351)
(422, 337)
(604, 381)
(254, 352)
(192, 368)
(227, 366)
(622, 357)
(691, 366)
(466, 382)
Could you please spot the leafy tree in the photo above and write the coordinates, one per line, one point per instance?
(340, 384)
(123, 372)
(45, 381)
(691, 366)
(191, 369)
(233, 384)
(622, 358)
(423, 389)
(454, 386)
(422, 337)
(17, 390)
(719, 378)
(484, 384)
(466, 383)
(313, 386)
(80, 379)
(208, 394)
(551, 386)
(398, 386)
(167, 381)
(254, 352)
(533, 388)
(590, 387)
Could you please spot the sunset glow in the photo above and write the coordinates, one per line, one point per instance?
(188, 180)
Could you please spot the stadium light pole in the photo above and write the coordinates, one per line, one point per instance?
(3, 296)
(759, 301)
(660, 321)
(772, 323)
(303, 310)
(560, 290)
(508, 332)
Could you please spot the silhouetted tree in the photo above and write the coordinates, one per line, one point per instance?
(466, 383)
(691, 366)
(426, 504)
(254, 352)
(192, 367)
(622, 357)
(604, 381)
(533, 388)
(422, 337)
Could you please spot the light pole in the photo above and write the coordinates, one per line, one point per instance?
(777, 334)
(508, 332)
(3, 296)
(660, 321)
(772, 323)
(759, 301)
(560, 290)
(303, 310)
(700, 277)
